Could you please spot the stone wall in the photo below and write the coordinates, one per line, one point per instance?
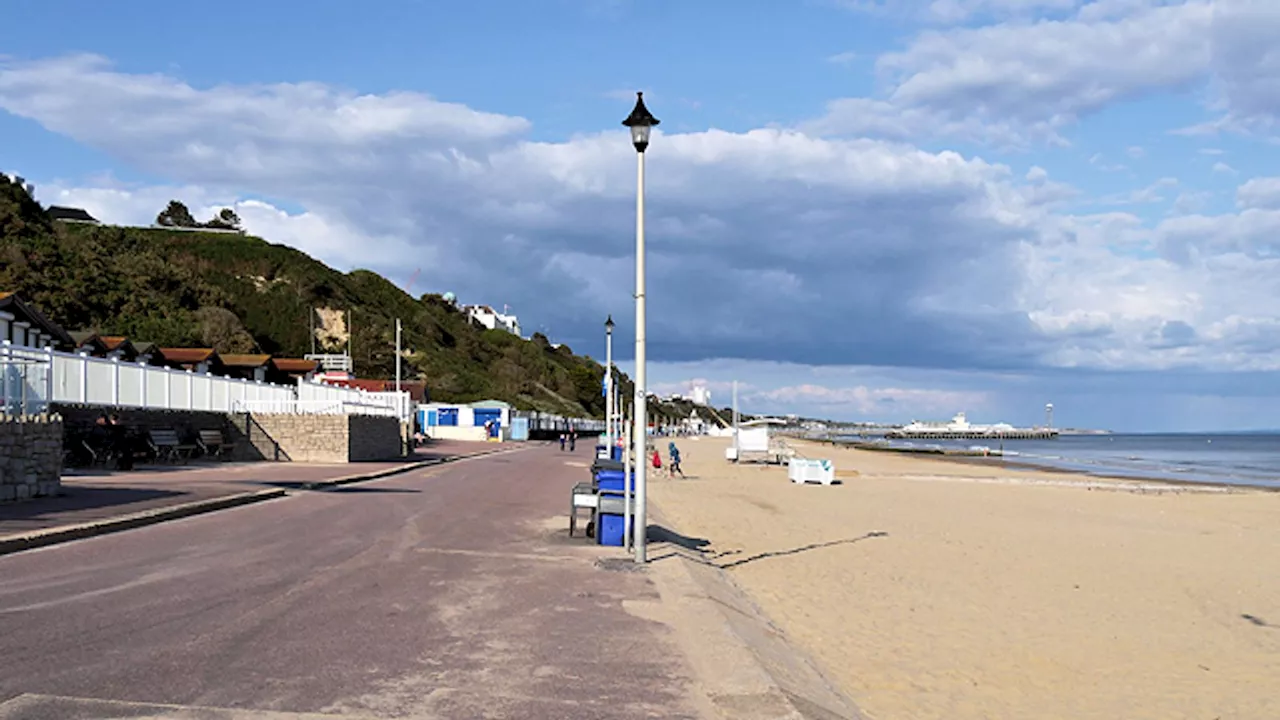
(30, 456)
(318, 438)
(374, 437)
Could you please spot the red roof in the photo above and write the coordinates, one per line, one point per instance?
(188, 355)
(112, 342)
(248, 361)
(295, 365)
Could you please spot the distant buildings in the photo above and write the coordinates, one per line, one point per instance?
(71, 215)
(701, 395)
(492, 319)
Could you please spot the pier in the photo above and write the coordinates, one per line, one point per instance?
(961, 429)
(948, 434)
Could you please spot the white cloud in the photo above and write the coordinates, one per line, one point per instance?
(958, 10)
(768, 245)
(1136, 152)
(1223, 168)
(1013, 83)
(1099, 161)
(1262, 192)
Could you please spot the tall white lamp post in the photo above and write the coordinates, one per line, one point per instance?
(640, 121)
(608, 384)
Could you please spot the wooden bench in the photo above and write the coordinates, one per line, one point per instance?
(214, 444)
(168, 446)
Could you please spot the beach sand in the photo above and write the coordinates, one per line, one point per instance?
(934, 589)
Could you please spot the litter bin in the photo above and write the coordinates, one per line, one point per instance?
(606, 465)
(610, 513)
(611, 504)
(616, 453)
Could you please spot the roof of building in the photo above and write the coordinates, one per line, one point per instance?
(189, 355)
(295, 365)
(491, 404)
(11, 302)
(246, 361)
(114, 342)
(70, 214)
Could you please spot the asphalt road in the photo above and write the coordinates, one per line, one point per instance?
(450, 592)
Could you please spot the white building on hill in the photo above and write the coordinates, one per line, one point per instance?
(701, 395)
(493, 319)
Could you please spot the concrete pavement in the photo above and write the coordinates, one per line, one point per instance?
(99, 501)
(448, 592)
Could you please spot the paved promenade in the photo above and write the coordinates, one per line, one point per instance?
(94, 495)
(447, 592)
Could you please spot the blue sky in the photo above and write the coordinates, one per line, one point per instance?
(860, 209)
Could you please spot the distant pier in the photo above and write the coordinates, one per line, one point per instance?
(961, 429)
(955, 434)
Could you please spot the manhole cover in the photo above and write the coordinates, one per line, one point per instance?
(618, 565)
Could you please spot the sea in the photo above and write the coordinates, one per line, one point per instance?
(1226, 459)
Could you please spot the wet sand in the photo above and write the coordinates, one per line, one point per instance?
(934, 589)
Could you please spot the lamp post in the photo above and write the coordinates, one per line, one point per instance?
(608, 384)
(640, 121)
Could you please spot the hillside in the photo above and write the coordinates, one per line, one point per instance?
(239, 293)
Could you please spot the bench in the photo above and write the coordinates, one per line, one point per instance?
(214, 444)
(168, 446)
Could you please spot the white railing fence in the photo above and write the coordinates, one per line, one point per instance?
(311, 407)
(31, 379)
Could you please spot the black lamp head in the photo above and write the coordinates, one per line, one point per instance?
(640, 121)
(608, 323)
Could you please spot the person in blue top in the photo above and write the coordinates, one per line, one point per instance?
(673, 467)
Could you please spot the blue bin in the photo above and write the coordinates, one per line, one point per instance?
(616, 453)
(611, 530)
(613, 479)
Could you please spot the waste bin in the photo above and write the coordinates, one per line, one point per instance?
(611, 507)
(616, 453)
(600, 465)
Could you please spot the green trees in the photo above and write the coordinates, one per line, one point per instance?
(176, 215)
(238, 293)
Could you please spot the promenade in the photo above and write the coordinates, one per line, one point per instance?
(450, 591)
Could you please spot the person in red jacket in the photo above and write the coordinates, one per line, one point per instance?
(657, 460)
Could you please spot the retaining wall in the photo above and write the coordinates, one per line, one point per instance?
(318, 438)
(30, 456)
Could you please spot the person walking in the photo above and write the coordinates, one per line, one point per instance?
(674, 466)
(657, 461)
(573, 441)
(561, 442)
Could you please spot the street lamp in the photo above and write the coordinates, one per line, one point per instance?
(608, 384)
(640, 121)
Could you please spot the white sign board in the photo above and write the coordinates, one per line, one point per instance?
(802, 471)
(753, 439)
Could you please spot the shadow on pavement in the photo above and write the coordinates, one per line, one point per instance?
(351, 489)
(74, 498)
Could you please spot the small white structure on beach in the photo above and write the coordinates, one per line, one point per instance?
(804, 470)
(753, 441)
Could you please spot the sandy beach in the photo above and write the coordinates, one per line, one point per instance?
(934, 589)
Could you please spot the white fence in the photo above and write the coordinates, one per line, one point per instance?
(31, 379)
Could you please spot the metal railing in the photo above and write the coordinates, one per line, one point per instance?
(21, 381)
(31, 379)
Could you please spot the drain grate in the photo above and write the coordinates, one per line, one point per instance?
(618, 565)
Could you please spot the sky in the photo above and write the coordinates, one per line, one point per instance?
(858, 209)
